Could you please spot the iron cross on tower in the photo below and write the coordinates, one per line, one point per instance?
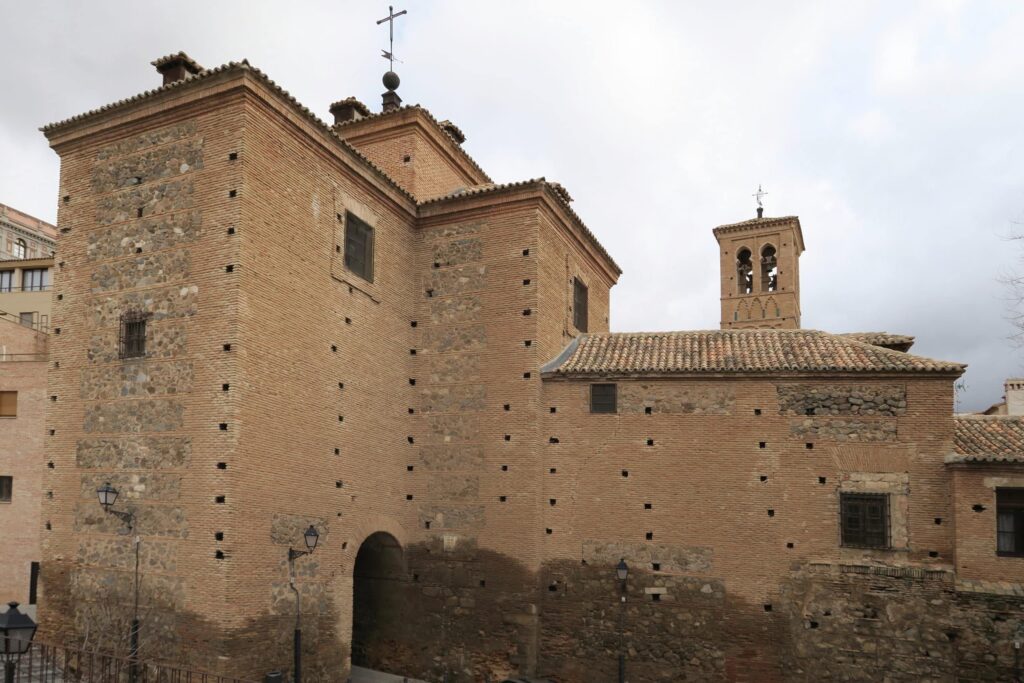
(757, 195)
(389, 54)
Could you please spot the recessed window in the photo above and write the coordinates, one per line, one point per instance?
(35, 279)
(358, 247)
(8, 404)
(1010, 522)
(579, 304)
(603, 398)
(6, 487)
(133, 334)
(865, 520)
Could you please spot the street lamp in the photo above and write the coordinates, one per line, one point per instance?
(107, 495)
(310, 538)
(16, 633)
(622, 573)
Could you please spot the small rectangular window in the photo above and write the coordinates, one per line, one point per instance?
(358, 247)
(6, 280)
(579, 305)
(33, 583)
(8, 404)
(602, 398)
(865, 520)
(1010, 522)
(6, 487)
(133, 334)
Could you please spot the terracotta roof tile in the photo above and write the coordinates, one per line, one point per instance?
(208, 73)
(430, 117)
(734, 351)
(558, 191)
(898, 342)
(195, 66)
(988, 438)
(363, 110)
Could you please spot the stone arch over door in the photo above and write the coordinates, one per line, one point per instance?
(379, 600)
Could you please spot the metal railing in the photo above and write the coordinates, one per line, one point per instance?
(39, 323)
(46, 663)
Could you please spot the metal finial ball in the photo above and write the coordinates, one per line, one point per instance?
(391, 80)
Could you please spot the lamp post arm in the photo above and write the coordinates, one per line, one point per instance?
(125, 516)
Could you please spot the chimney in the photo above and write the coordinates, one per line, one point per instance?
(176, 67)
(1014, 389)
(348, 109)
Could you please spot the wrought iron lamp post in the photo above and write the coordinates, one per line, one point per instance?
(310, 537)
(622, 573)
(16, 633)
(107, 495)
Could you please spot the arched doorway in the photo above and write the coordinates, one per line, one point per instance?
(378, 585)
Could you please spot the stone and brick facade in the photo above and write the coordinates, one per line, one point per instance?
(431, 418)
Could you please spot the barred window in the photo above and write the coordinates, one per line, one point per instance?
(133, 334)
(1010, 522)
(6, 489)
(358, 246)
(579, 304)
(865, 520)
(603, 398)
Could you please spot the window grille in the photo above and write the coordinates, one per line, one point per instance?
(358, 247)
(865, 520)
(1010, 522)
(579, 304)
(603, 398)
(133, 334)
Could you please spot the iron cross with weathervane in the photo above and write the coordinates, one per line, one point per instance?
(389, 54)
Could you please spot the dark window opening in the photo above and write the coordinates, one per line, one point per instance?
(1010, 522)
(358, 247)
(603, 398)
(6, 489)
(579, 304)
(33, 583)
(865, 520)
(133, 334)
(744, 272)
(769, 269)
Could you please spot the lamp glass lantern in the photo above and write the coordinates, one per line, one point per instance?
(16, 632)
(311, 537)
(107, 495)
(622, 569)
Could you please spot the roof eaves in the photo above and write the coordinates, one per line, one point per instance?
(437, 124)
(241, 66)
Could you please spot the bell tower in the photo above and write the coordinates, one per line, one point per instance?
(761, 272)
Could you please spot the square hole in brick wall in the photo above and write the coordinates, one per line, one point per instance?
(483, 583)
(526, 282)
(503, 498)
(647, 410)
(553, 470)
(771, 513)
(762, 444)
(220, 499)
(650, 442)
(508, 437)
(763, 477)
(233, 156)
(504, 468)
(219, 554)
(222, 466)
(809, 446)
(526, 375)
(410, 468)
(337, 451)
(548, 531)
(625, 473)
(218, 535)
(528, 342)
(225, 387)
(339, 484)
(408, 496)
(656, 566)
(426, 524)
(757, 411)
(655, 597)
(506, 407)
(553, 409)
(648, 506)
(227, 347)
(223, 426)
(938, 520)
(649, 536)
(768, 607)
(526, 252)
(822, 480)
(410, 439)
(552, 502)
(789, 545)
(231, 231)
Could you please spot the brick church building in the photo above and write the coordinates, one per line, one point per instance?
(263, 322)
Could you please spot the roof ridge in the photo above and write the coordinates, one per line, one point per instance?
(432, 119)
(243, 65)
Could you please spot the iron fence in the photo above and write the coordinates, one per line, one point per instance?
(46, 663)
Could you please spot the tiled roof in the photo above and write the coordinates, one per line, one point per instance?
(734, 351)
(430, 117)
(557, 190)
(899, 342)
(354, 103)
(195, 66)
(208, 73)
(771, 220)
(988, 438)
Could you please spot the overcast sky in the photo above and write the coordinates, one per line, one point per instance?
(895, 130)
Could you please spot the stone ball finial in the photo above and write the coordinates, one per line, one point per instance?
(391, 80)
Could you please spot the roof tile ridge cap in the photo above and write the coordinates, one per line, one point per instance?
(480, 189)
